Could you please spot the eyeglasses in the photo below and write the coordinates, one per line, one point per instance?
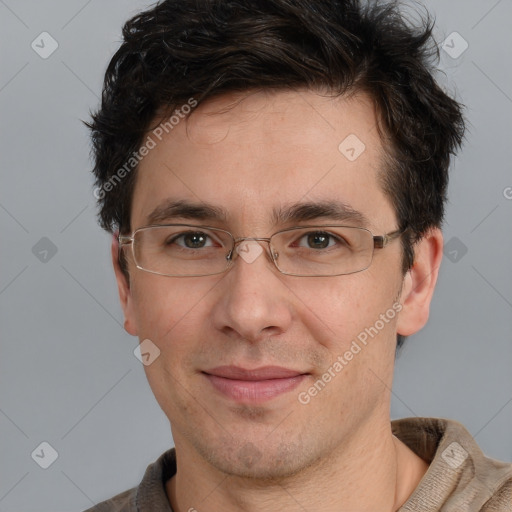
(183, 250)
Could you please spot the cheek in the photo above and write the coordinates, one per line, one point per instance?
(338, 309)
(166, 308)
(171, 314)
(354, 319)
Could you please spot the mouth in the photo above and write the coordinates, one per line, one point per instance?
(253, 386)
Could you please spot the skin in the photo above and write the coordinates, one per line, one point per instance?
(251, 153)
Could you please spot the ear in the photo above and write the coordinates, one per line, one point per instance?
(125, 293)
(419, 283)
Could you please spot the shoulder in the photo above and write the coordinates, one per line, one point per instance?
(501, 501)
(460, 475)
(124, 502)
(150, 495)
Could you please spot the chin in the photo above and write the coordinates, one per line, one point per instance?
(262, 462)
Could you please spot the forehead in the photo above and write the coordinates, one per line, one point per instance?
(252, 154)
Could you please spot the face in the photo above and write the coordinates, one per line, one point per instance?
(240, 352)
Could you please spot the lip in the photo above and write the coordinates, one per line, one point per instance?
(253, 386)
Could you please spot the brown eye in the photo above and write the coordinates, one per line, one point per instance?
(191, 240)
(318, 240)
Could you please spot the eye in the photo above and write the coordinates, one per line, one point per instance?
(192, 240)
(318, 240)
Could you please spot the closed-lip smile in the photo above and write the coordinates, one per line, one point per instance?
(253, 386)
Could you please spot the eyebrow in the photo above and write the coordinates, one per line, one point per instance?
(331, 210)
(171, 210)
(294, 213)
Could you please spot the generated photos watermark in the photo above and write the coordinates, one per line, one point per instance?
(146, 352)
(454, 455)
(355, 348)
(150, 143)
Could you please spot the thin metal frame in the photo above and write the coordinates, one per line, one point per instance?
(379, 242)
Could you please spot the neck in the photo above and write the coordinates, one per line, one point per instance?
(371, 472)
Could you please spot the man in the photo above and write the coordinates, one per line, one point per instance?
(274, 174)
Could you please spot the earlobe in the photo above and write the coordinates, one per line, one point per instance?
(123, 286)
(419, 283)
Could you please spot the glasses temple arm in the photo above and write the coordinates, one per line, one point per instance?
(381, 241)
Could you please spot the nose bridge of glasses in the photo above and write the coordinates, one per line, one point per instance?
(250, 238)
(237, 242)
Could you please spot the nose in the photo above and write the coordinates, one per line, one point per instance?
(254, 303)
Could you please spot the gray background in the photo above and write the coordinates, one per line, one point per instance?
(68, 375)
